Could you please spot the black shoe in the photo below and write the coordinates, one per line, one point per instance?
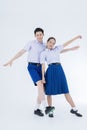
(51, 114)
(38, 112)
(76, 113)
(49, 109)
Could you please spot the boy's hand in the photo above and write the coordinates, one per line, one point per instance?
(8, 63)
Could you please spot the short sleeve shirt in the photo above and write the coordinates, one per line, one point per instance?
(34, 49)
(51, 55)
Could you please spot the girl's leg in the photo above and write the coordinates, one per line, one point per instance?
(70, 100)
(49, 100)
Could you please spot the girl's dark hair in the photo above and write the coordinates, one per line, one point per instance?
(51, 38)
(38, 30)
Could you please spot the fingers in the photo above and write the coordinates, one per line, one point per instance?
(75, 48)
(43, 81)
(80, 36)
(8, 64)
(5, 64)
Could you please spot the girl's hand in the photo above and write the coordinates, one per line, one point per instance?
(75, 48)
(8, 63)
(43, 81)
(79, 36)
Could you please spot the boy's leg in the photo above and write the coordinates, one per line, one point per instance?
(40, 98)
(71, 102)
(41, 94)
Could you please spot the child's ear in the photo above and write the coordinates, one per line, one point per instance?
(35, 35)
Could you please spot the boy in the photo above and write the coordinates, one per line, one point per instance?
(34, 48)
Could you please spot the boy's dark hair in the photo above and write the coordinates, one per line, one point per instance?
(50, 39)
(38, 30)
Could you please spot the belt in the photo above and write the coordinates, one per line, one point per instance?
(31, 63)
(54, 64)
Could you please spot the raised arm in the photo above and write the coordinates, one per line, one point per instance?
(19, 54)
(43, 73)
(70, 49)
(72, 40)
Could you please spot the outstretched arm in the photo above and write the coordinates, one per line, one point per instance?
(72, 40)
(19, 54)
(70, 49)
(43, 72)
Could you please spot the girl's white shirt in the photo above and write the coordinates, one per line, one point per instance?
(51, 55)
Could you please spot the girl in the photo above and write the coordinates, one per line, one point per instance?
(55, 79)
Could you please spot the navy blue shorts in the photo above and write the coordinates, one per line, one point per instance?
(35, 72)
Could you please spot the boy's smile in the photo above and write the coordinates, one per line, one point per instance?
(39, 36)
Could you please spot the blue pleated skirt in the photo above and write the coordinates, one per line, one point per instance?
(56, 82)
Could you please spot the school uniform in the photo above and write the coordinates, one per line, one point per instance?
(56, 82)
(34, 48)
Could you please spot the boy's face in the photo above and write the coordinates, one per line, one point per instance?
(51, 43)
(39, 36)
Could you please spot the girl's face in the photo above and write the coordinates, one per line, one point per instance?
(39, 36)
(51, 43)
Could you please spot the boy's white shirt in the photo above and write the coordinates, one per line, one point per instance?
(34, 48)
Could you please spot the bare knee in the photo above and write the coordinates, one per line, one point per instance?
(41, 94)
(49, 96)
(39, 84)
(67, 95)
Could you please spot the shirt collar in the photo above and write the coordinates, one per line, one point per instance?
(50, 49)
(39, 42)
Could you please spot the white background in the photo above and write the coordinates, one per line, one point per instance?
(62, 19)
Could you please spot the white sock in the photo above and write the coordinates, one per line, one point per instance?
(44, 104)
(51, 112)
(74, 108)
(37, 106)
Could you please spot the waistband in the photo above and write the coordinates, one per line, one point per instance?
(32, 63)
(54, 64)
